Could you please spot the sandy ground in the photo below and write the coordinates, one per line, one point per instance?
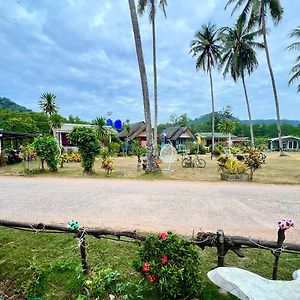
(246, 209)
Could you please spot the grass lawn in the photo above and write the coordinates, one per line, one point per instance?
(276, 170)
(48, 265)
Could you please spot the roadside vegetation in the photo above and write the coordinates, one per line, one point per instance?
(276, 169)
(49, 266)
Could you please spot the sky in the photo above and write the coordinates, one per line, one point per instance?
(83, 51)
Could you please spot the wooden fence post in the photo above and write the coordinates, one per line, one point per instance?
(277, 252)
(221, 251)
(81, 238)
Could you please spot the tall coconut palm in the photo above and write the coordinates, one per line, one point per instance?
(254, 13)
(295, 72)
(206, 46)
(151, 165)
(151, 4)
(239, 58)
(47, 103)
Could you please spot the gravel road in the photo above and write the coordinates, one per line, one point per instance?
(246, 209)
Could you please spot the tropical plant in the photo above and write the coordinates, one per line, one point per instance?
(227, 126)
(101, 129)
(206, 46)
(151, 165)
(254, 13)
(47, 103)
(46, 148)
(295, 72)
(151, 4)
(88, 146)
(138, 150)
(107, 162)
(239, 58)
(254, 160)
(171, 264)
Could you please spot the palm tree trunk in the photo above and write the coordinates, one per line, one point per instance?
(249, 111)
(154, 85)
(212, 115)
(151, 166)
(273, 85)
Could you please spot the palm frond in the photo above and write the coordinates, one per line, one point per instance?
(163, 4)
(276, 10)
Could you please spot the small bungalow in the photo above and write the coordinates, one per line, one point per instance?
(137, 132)
(206, 138)
(289, 143)
(178, 136)
(61, 134)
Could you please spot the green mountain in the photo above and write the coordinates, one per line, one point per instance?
(272, 121)
(6, 103)
(206, 119)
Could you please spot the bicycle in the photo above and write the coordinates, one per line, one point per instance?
(189, 162)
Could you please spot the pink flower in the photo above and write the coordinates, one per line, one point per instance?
(146, 267)
(286, 224)
(164, 259)
(153, 278)
(162, 235)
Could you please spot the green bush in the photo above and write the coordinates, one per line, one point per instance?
(46, 148)
(88, 146)
(114, 148)
(196, 148)
(171, 264)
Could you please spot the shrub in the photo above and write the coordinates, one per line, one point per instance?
(46, 148)
(114, 148)
(235, 149)
(88, 146)
(171, 264)
(254, 160)
(196, 148)
(3, 160)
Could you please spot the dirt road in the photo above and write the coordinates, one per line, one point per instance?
(246, 209)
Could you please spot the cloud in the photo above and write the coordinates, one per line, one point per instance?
(83, 51)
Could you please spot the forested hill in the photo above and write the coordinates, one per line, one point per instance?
(205, 119)
(6, 103)
(272, 121)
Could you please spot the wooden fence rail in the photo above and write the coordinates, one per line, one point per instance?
(222, 242)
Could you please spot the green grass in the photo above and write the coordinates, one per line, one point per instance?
(49, 265)
(284, 170)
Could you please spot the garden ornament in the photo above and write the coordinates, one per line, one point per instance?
(249, 286)
(168, 154)
(73, 225)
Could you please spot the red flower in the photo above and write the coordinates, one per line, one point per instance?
(153, 278)
(146, 267)
(164, 259)
(162, 235)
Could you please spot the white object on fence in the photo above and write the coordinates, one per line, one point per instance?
(249, 286)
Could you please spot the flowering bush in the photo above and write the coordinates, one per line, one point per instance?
(171, 265)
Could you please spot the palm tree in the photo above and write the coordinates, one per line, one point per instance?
(142, 4)
(295, 72)
(206, 46)
(227, 126)
(101, 131)
(254, 13)
(47, 103)
(151, 165)
(239, 58)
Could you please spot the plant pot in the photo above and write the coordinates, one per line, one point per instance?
(235, 177)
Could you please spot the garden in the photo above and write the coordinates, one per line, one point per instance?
(165, 266)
